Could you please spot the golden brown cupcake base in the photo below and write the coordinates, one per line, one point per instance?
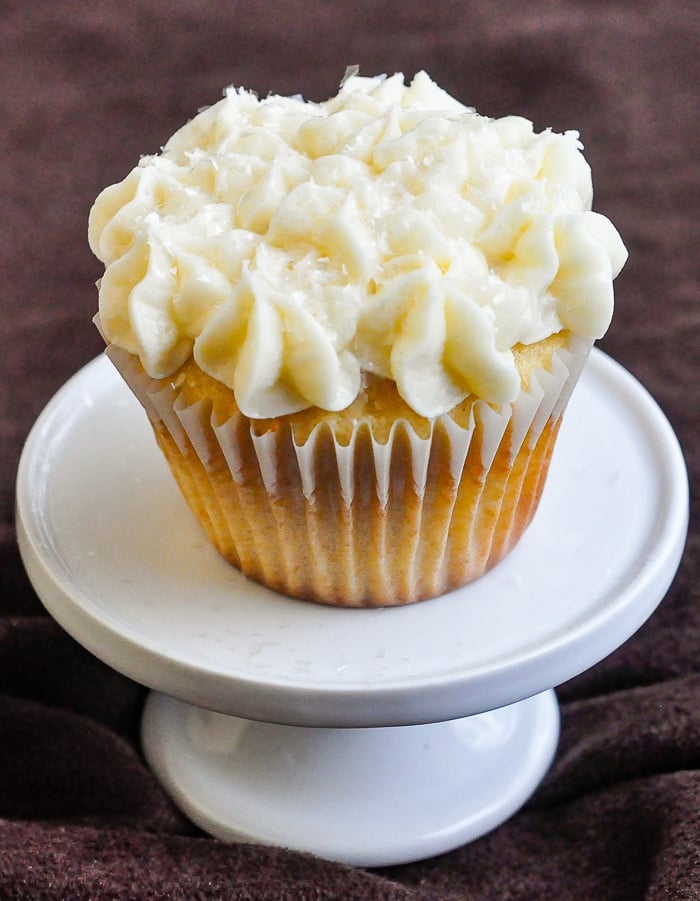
(280, 501)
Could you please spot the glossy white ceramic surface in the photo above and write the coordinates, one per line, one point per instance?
(364, 797)
(119, 561)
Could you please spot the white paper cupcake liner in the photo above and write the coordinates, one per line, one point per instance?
(397, 532)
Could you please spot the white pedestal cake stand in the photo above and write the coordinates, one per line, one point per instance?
(254, 693)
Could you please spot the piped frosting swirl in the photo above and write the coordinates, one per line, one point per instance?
(292, 246)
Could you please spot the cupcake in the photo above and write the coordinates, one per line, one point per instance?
(354, 327)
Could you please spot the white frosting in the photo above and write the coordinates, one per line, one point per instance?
(291, 246)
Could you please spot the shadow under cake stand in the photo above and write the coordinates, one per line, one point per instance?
(370, 737)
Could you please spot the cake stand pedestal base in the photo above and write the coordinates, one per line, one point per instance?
(364, 797)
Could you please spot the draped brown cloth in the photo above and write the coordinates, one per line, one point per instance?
(86, 88)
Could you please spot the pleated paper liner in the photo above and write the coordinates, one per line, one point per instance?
(355, 521)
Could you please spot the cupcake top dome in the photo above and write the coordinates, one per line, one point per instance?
(292, 246)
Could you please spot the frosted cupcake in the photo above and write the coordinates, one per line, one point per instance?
(354, 326)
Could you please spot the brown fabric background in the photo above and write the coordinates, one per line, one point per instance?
(87, 87)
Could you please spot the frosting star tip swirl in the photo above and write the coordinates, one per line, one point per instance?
(290, 246)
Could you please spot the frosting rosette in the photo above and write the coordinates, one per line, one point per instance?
(291, 247)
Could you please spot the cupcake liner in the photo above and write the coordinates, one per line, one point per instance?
(359, 521)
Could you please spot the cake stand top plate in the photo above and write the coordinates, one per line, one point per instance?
(119, 561)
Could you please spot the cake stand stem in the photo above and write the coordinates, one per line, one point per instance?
(364, 797)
